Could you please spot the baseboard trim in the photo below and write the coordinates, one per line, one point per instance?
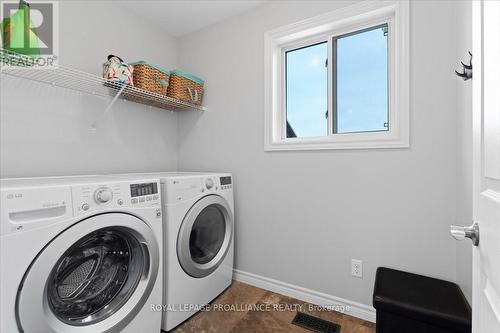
(356, 309)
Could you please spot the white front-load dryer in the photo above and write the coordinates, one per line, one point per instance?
(80, 254)
(198, 240)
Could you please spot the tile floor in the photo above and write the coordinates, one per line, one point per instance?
(261, 317)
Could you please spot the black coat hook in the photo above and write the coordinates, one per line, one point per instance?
(466, 73)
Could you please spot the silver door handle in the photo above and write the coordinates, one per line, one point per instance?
(461, 233)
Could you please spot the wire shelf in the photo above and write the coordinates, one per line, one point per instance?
(22, 66)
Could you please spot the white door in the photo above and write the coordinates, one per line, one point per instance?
(486, 166)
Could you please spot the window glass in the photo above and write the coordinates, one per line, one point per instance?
(207, 235)
(95, 276)
(307, 91)
(360, 81)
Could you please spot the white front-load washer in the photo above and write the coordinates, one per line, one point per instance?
(198, 240)
(80, 254)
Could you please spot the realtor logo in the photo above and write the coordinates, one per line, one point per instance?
(30, 28)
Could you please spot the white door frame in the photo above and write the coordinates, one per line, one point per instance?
(486, 165)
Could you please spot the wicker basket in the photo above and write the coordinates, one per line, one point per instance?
(150, 78)
(185, 87)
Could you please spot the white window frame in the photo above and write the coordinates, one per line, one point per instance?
(396, 15)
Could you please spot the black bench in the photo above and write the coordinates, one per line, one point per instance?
(411, 303)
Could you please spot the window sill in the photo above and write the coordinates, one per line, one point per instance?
(373, 140)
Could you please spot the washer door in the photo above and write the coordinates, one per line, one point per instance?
(93, 277)
(205, 236)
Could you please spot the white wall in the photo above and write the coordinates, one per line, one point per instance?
(464, 147)
(302, 216)
(46, 131)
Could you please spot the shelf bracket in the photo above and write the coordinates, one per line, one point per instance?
(109, 107)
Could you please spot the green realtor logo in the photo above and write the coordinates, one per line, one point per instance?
(28, 28)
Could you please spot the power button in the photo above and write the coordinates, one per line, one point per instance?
(85, 206)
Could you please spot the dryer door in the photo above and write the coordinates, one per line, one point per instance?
(205, 236)
(93, 277)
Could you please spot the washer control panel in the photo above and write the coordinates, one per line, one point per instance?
(144, 192)
(103, 195)
(90, 197)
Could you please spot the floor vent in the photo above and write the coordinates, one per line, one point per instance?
(315, 324)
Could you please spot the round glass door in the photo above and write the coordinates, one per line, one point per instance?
(95, 276)
(205, 236)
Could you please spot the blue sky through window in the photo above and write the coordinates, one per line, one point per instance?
(361, 85)
(307, 90)
(362, 82)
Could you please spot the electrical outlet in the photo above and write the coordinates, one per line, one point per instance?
(357, 268)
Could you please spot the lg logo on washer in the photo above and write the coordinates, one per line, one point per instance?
(14, 195)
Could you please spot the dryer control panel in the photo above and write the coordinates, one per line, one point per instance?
(225, 182)
(179, 189)
(90, 197)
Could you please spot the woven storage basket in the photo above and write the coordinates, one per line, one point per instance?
(150, 78)
(185, 87)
